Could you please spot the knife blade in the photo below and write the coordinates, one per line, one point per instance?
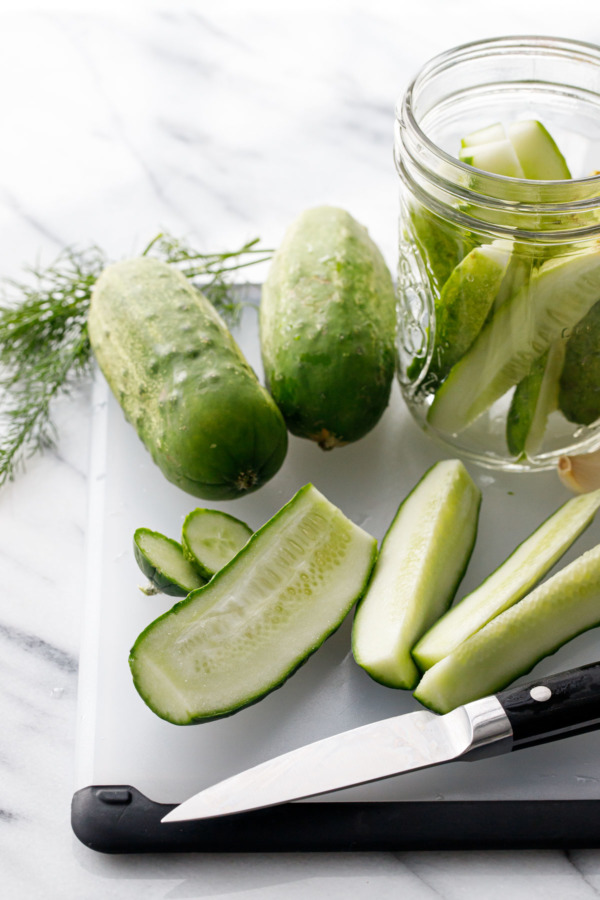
(550, 708)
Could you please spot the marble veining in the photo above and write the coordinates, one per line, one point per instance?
(34, 644)
(219, 122)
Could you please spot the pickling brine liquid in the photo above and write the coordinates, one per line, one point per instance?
(499, 274)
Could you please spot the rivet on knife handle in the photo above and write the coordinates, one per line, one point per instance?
(554, 706)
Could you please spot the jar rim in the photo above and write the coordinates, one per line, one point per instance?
(457, 172)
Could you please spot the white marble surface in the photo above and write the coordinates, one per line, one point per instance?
(120, 119)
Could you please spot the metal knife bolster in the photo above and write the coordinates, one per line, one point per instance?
(491, 730)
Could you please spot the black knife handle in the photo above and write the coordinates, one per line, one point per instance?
(554, 706)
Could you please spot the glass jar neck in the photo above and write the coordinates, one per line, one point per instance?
(494, 75)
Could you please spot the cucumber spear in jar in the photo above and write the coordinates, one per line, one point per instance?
(522, 341)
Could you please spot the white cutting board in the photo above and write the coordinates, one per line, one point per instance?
(120, 741)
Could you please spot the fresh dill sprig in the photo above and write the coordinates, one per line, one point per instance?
(44, 350)
(44, 345)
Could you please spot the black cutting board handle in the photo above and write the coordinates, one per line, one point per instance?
(120, 819)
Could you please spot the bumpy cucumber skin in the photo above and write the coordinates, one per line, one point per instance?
(442, 245)
(183, 382)
(579, 389)
(327, 327)
(188, 550)
(464, 304)
(202, 596)
(161, 581)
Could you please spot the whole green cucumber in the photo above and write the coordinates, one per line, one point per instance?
(183, 382)
(327, 328)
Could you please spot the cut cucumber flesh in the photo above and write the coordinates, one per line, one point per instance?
(510, 581)
(465, 302)
(163, 562)
(496, 157)
(485, 135)
(242, 635)
(556, 297)
(422, 559)
(512, 643)
(211, 538)
(538, 154)
(535, 397)
(527, 150)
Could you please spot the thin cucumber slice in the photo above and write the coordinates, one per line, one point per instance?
(510, 581)
(422, 559)
(512, 643)
(485, 135)
(496, 157)
(555, 298)
(465, 301)
(211, 538)
(241, 636)
(535, 397)
(162, 561)
(537, 152)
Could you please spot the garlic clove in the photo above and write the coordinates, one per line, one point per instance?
(580, 473)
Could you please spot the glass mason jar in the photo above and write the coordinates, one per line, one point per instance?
(499, 277)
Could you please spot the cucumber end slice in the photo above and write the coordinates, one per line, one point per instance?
(162, 561)
(211, 538)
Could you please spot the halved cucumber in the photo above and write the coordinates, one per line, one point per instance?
(535, 397)
(555, 298)
(163, 562)
(512, 643)
(242, 635)
(510, 581)
(211, 538)
(422, 559)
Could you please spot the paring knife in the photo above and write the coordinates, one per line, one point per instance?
(544, 710)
